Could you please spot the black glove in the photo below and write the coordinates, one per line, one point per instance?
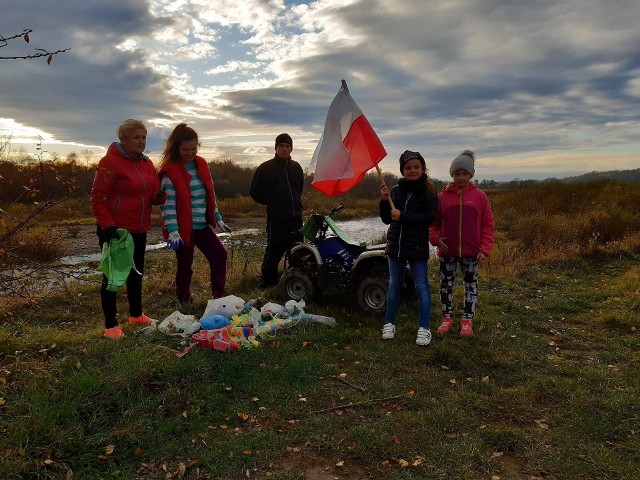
(161, 196)
(110, 233)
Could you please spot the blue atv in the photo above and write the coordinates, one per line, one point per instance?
(328, 260)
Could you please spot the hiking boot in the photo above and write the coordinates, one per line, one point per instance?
(388, 331)
(141, 320)
(466, 330)
(114, 333)
(446, 325)
(424, 337)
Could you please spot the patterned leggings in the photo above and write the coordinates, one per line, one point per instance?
(469, 268)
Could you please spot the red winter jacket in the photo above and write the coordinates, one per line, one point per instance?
(123, 191)
(180, 178)
(465, 220)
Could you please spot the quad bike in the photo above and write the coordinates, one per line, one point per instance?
(335, 263)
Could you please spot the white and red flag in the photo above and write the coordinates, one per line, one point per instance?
(347, 149)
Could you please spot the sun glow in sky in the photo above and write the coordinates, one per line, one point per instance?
(537, 89)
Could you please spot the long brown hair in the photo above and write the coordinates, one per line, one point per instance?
(182, 133)
(431, 188)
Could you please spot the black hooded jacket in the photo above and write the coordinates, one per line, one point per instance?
(409, 237)
(278, 183)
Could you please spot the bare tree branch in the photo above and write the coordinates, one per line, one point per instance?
(4, 41)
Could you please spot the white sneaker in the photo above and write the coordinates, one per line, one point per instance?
(424, 337)
(388, 331)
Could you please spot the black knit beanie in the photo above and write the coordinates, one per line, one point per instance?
(284, 138)
(409, 155)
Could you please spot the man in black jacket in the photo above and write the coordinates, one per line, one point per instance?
(278, 183)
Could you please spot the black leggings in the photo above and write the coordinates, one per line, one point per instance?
(469, 268)
(134, 282)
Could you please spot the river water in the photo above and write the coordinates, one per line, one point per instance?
(367, 230)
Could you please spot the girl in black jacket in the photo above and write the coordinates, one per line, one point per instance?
(416, 202)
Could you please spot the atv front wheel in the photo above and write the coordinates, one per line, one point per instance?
(372, 294)
(296, 284)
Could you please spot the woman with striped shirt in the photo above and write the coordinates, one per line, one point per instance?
(190, 211)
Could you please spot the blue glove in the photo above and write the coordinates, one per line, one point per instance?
(174, 240)
(223, 226)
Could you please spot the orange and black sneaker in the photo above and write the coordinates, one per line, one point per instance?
(114, 333)
(141, 320)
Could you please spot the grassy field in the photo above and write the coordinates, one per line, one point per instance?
(547, 388)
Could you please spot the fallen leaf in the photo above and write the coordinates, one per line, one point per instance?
(247, 452)
(497, 454)
(184, 414)
(243, 416)
(451, 435)
(453, 381)
(304, 344)
(343, 375)
(255, 399)
(397, 438)
(417, 462)
(403, 463)
(302, 399)
(109, 449)
(48, 461)
(69, 474)
(137, 452)
(340, 463)
(181, 470)
(485, 379)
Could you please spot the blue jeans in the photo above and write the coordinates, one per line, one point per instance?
(419, 271)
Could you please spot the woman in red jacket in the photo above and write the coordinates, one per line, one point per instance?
(124, 188)
(463, 234)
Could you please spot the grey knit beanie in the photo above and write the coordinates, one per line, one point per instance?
(464, 161)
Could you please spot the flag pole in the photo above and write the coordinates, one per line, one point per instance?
(381, 178)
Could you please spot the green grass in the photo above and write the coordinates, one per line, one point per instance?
(548, 387)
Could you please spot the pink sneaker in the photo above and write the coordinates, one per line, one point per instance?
(114, 333)
(446, 325)
(466, 329)
(141, 320)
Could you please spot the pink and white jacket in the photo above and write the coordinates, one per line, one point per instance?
(465, 221)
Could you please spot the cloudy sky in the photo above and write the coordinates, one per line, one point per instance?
(544, 88)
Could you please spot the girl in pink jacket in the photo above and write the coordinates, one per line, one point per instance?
(463, 234)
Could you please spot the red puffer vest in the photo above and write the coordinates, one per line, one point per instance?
(180, 179)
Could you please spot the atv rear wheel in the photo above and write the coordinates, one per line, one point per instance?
(296, 284)
(372, 294)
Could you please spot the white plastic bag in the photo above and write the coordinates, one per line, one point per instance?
(179, 324)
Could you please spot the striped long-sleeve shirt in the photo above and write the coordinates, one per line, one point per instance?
(198, 201)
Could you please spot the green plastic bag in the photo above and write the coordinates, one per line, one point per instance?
(117, 260)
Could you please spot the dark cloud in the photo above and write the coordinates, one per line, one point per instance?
(506, 78)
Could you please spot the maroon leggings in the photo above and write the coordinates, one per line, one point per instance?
(211, 246)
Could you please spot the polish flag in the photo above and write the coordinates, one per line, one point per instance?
(348, 147)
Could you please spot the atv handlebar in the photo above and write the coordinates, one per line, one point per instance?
(335, 210)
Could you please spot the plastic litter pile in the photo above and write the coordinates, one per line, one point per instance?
(230, 323)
